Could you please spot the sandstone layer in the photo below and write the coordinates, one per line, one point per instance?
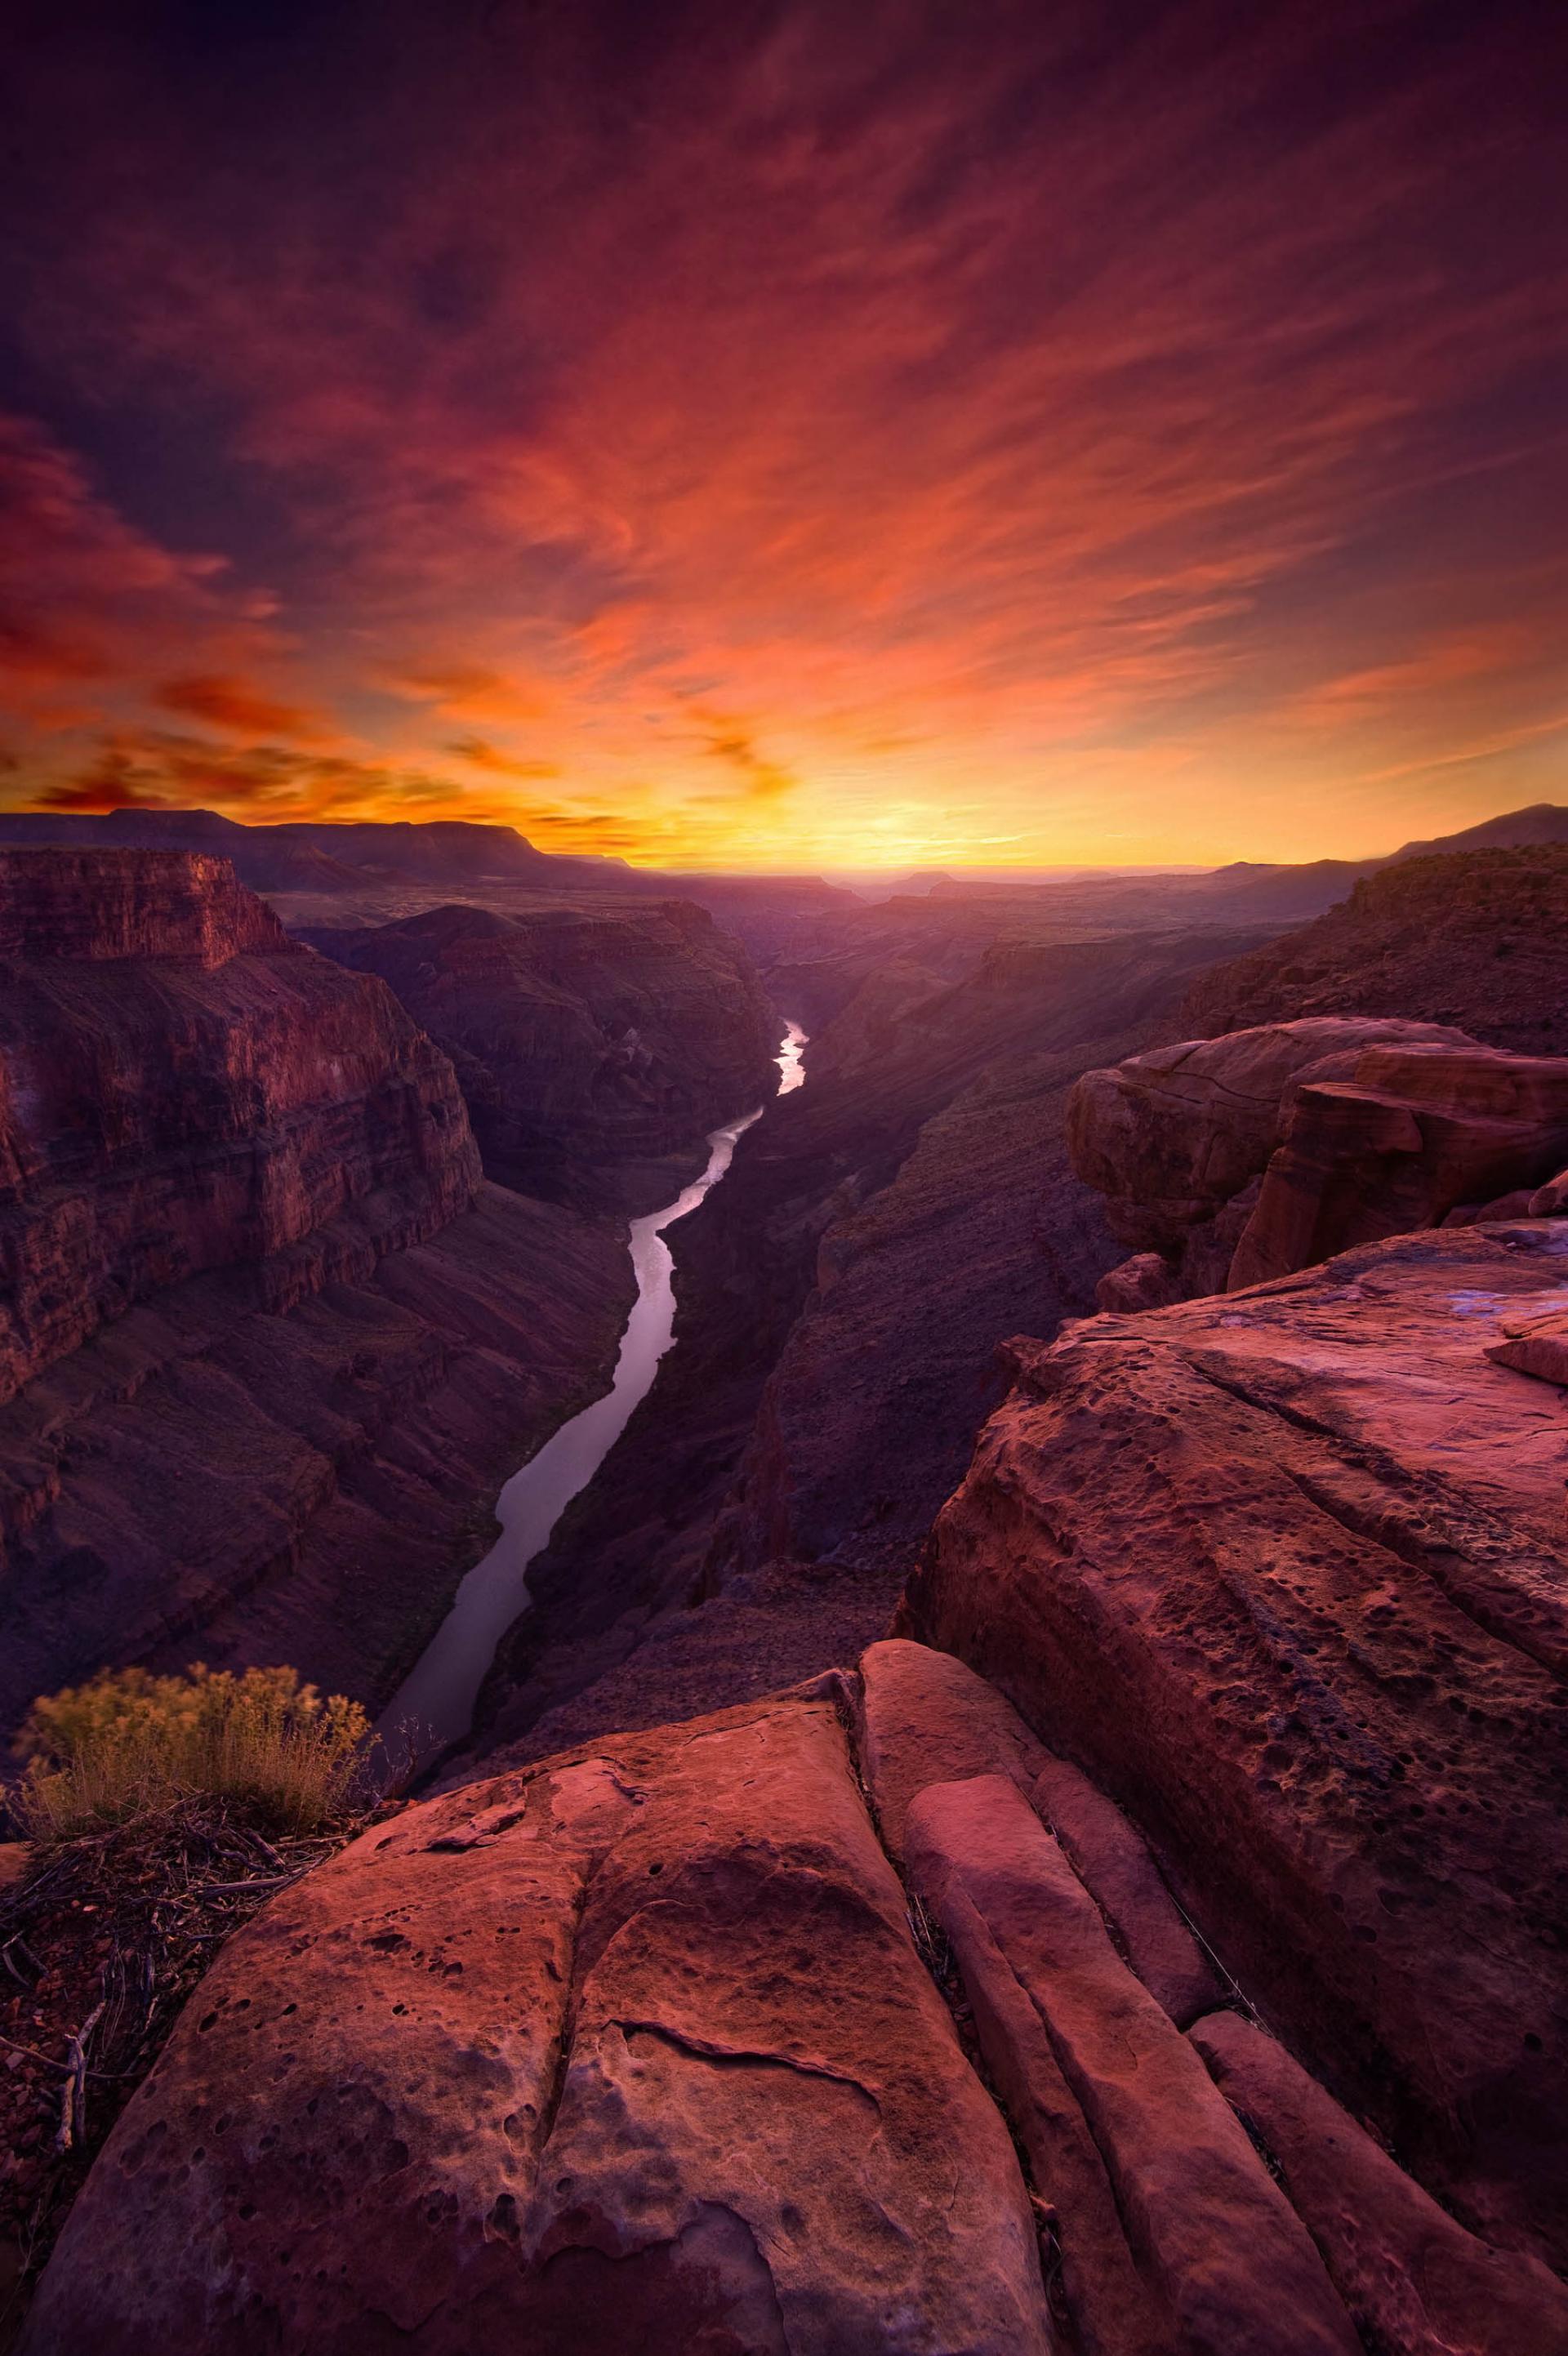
(182, 1087)
(1284, 1571)
(598, 1041)
(1227, 1161)
(1477, 937)
(270, 1344)
(649, 2047)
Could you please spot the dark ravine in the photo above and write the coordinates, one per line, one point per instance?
(839, 1304)
(435, 1704)
(596, 1041)
(272, 1342)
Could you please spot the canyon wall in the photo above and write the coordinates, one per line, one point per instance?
(1226, 1161)
(1478, 938)
(840, 1299)
(182, 1087)
(596, 1041)
(271, 1342)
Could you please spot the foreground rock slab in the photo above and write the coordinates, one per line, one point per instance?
(634, 2050)
(1285, 1572)
(1413, 2278)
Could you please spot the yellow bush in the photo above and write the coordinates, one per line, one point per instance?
(128, 1743)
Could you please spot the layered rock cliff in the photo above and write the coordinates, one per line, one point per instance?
(1478, 938)
(269, 1343)
(1283, 1570)
(182, 1087)
(852, 2022)
(1227, 1161)
(598, 1041)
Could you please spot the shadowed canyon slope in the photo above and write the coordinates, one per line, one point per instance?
(596, 1043)
(272, 1343)
(840, 1300)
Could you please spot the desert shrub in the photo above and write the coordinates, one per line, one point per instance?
(130, 1743)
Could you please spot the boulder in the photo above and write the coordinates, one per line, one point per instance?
(1112, 1860)
(1284, 1571)
(925, 1718)
(631, 2051)
(1227, 1162)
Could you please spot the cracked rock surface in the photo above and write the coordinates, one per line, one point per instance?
(652, 2046)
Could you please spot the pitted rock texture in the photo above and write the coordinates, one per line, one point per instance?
(596, 1039)
(1227, 1161)
(1284, 1572)
(635, 2050)
(631, 2051)
(183, 1088)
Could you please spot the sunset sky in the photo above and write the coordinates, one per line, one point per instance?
(789, 436)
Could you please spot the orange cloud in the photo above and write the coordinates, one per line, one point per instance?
(234, 704)
(1098, 438)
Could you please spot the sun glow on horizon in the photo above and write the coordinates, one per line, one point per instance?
(848, 447)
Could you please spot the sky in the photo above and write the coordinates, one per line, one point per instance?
(790, 435)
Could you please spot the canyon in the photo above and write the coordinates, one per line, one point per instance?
(272, 1339)
(1024, 1810)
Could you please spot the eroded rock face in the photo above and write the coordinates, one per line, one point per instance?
(595, 1038)
(1284, 1571)
(183, 1088)
(633, 2051)
(1227, 1161)
(268, 1344)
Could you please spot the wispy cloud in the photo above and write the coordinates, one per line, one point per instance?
(1131, 429)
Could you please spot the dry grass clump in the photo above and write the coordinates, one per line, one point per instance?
(130, 1745)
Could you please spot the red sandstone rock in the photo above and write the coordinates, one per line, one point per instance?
(1413, 1132)
(1147, 1280)
(1412, 2279)
(1551, 1201)
(1112, 1859)
(1171, 1136)
(1283, 1570)
(632, 2052)
(925, 1718)
(1538, 1347)
(1226, 2263)
(1238, 1159)
(182, 1089)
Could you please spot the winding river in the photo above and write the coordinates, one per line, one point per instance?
(435, 1704)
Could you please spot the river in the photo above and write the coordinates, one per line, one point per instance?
(435, 1704)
